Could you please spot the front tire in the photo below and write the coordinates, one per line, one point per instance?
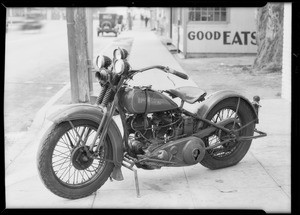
(231, 153)
(64, 167)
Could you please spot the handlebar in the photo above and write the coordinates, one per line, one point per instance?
(165, 69)
(179, 74)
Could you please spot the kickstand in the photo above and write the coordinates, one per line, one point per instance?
(130, 166)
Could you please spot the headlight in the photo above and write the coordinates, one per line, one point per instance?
(119, 66)
(120, 54)
(103, 61)
(102, 76)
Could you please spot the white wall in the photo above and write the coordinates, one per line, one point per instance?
(235, 36)
(175, 36)
(286, 55)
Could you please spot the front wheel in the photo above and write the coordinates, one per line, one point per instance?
(230, 153)
(63, 164)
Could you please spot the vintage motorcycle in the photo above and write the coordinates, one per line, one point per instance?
(84, 145)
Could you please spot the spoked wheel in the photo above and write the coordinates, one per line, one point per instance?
(64, 165)
(232, 152)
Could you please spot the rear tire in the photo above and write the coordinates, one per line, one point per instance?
(61, 173)
(233, 152)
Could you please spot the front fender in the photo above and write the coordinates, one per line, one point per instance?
(93, 113)
(213, 99)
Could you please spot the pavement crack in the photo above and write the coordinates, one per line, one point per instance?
(187, 181)
(94, 199)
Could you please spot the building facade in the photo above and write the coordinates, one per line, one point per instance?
(209, 31)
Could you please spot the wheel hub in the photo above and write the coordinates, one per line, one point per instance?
(223, 135)
(80, 159)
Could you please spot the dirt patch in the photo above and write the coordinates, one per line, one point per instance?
(233, 73)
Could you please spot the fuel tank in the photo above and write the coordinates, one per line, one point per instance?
(137, 100)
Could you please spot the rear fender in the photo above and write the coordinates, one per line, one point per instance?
(93, 113)
(212, 100)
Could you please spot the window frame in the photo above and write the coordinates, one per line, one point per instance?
(207, 21)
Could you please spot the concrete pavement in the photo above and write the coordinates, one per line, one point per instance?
(260, 181)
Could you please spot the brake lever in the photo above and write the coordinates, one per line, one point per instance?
(171, 80)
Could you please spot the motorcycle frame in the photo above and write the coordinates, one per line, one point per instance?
(122, 145)
(109, 112)
(121, 153)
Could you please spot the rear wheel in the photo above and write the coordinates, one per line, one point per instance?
(230, 153)
(64, 166)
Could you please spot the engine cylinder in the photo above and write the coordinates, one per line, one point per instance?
(188, 125)
(136, 146)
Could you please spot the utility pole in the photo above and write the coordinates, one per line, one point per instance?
(89, 23)
(78, 54)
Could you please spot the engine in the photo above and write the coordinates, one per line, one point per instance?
(153, 129)
(164, 136)
(164, 139)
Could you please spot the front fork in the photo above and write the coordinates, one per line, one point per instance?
(108, 113)
(104, 124)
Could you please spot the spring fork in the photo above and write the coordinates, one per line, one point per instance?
(101, 95)
(99, 128)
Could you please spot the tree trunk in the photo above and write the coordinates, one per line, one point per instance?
(269, 38)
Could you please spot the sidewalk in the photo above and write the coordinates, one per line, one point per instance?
(260, 181)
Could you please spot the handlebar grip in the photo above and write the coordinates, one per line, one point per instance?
(179, 74)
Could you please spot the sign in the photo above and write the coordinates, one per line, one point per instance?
(226, 37)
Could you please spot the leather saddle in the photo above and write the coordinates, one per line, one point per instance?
(188, 94)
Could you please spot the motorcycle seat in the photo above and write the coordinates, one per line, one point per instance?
(188, 94)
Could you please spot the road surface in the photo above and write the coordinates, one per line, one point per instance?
(36, 68)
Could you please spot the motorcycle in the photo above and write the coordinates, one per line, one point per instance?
(84, 145)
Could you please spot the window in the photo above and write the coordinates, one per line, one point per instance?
(208, 14)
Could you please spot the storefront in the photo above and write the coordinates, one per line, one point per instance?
(211, 31)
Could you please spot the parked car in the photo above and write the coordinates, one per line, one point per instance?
(108, 23)
(14, 22)
(33, 21)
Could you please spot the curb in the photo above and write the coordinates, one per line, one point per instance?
(34, 129)
(41, 114)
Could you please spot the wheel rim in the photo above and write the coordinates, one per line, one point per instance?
(65, 153)
(227, 149)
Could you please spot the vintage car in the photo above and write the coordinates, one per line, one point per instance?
(108, 23)
(33, 21)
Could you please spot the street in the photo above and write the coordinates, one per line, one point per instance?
(37, 66)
